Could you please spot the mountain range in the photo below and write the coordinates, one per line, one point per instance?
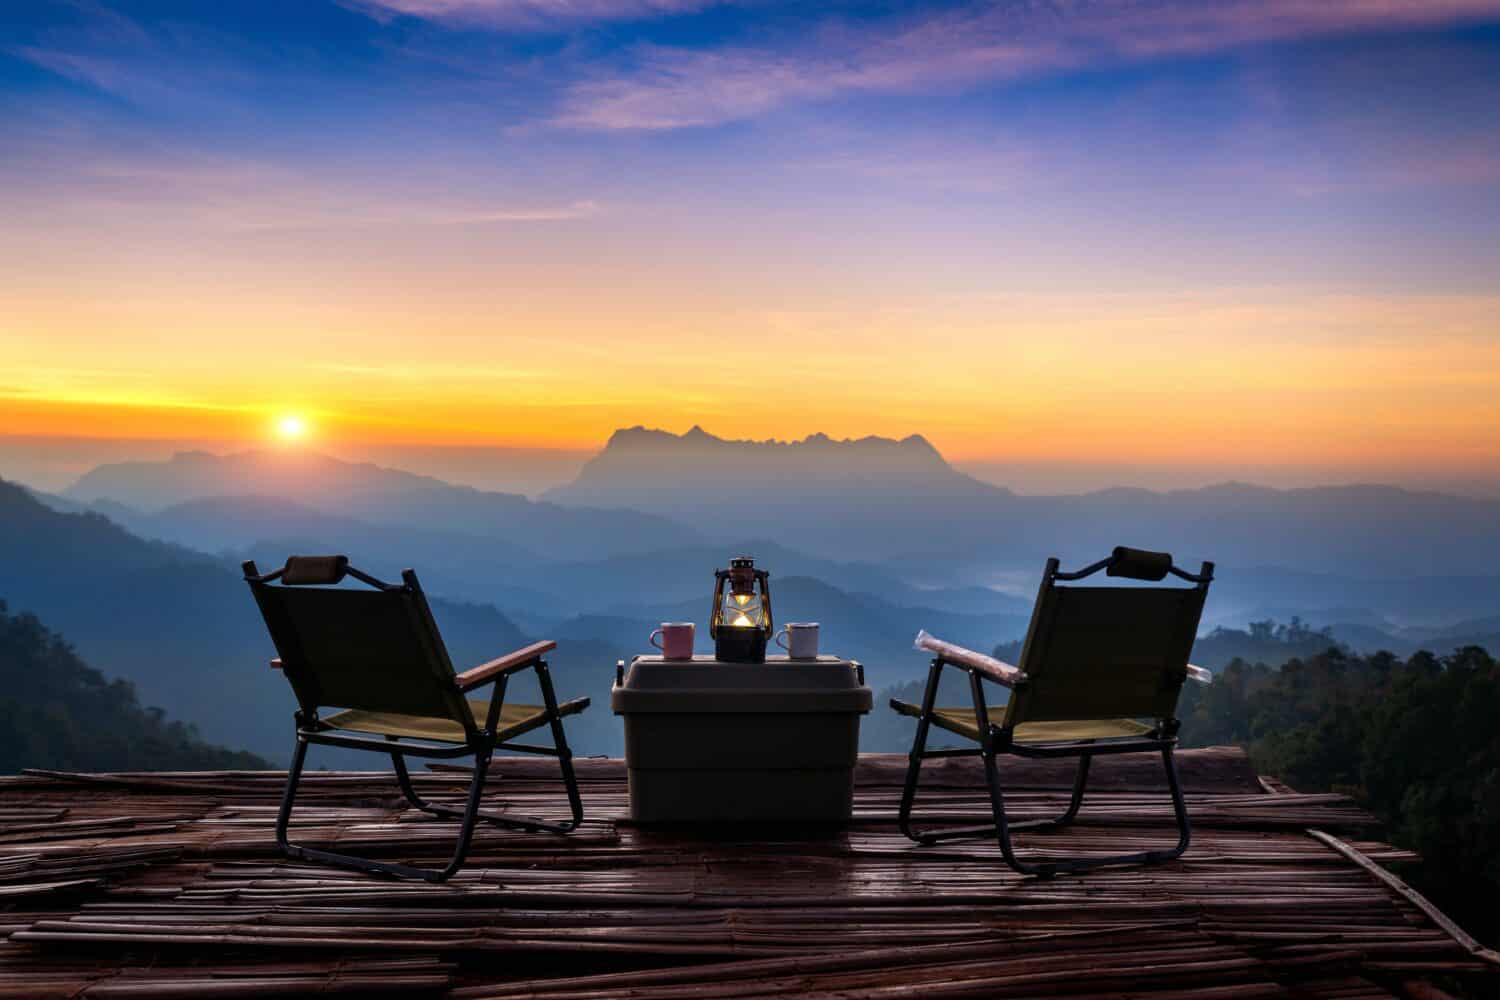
(874, 515)
(180, 625)
(901, 504)
(1366, 638)
(374, 495)
(878, 502)
(874, 538)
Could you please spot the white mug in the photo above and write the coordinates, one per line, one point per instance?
(801, 640)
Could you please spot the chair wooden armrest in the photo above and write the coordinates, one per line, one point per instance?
(276, 664)
(507, 664)
(996, 670)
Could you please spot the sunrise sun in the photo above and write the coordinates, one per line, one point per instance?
(291, 427)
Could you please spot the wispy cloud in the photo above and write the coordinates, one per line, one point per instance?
(414, 215)
(564, 213)
(149, 65)
(667, 87)
(526, 14)
(168, 186)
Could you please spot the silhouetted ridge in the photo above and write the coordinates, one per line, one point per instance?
(639, 439)
(375, 495)
(639, 464)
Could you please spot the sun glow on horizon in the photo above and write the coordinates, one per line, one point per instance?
(291, 427)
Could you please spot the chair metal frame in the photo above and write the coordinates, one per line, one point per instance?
(481, 742)
(997, 739)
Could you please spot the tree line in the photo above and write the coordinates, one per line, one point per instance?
(1416, 740)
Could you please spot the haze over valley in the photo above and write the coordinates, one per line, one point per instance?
(136, 563)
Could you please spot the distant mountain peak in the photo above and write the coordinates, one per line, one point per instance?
(653, 469)
(641, 438)
(917, 441)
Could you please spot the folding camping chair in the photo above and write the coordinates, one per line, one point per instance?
(1096, 661)
(376, 654)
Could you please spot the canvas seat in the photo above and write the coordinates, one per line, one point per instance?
(514, 720)
(1096, 661)
(375, 653)
(963, 722)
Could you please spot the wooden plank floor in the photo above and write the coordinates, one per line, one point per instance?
(168, 885)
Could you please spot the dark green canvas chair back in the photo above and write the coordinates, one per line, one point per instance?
(1107, 652)
(377, 650)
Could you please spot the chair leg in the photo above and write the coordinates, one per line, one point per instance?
(528, 824)
(560, 744)
(1002, 827)
(460, 850)
(289, 794)
(1080, 781)
(1047, 869)
(914, 759)
(1179, 807)
(914, 766)
(1040, 825)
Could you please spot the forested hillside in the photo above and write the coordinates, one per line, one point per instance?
(182, 628)
(58, 712)
(1414, 739)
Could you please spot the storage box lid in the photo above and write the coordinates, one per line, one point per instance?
(703, 684)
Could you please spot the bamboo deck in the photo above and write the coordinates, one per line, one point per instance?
(169, 885)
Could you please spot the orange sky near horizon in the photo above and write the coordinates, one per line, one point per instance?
(1245, 378)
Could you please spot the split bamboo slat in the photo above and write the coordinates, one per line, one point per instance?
(170, 885)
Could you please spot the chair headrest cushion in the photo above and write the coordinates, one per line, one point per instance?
(315, 569)
(1139, 564)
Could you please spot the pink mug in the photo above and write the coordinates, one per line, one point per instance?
(676, 640)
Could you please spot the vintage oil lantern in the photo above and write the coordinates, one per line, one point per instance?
(741, 621)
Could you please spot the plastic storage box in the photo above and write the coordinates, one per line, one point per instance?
(712, 742)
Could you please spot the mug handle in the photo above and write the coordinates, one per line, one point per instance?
(777, 639)
(652, 640)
